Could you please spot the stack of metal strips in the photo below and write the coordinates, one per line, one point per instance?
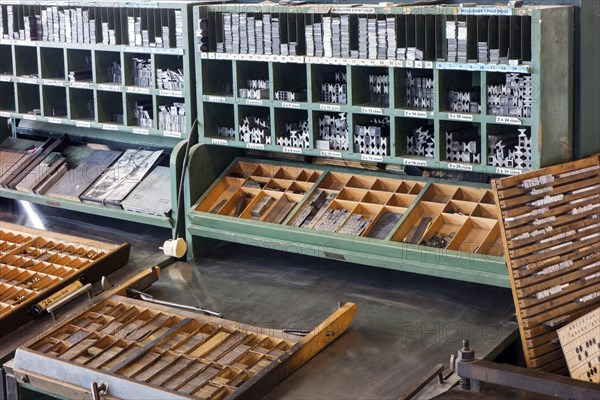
(463, 145)
(10, 23)
(513, 98)
(275, 36)
(2, 25)
(311, 213)
(226, 131)
(202, 35)
(345, 37)
(419, 90)
(260, 36)
(421, 142)
(131, 30)
(256, 89)
(372, 38)
(179, 34)
(356, 225)
(296, 135)
(511, 149)
(327, 36)
(333, 88)
(30, 31)
(482, 52)
(336, 46)
(251, 33)
(413, 53)
(290, 95)
(267, 34)
(381, 39)
(452, 41)
(379, 90)
(331, 220)
(390, 24)
(461, 40)
(227, 45)
(172, 117)
(372, 138)
(255, 129)
(170, 79)
(142, 113)
(137, 31)
(333, 132)
(466, 101)
(363, 37)
(243, 32)
(310, 40)
(114, 72)
(142, 72)
(234, 33)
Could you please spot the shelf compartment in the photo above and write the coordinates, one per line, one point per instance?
(217, 78)
(220, 194)
(82, 104)
(140, 111)
(289, 82)
(6, 60)
(401, 200)
(350, 194)
(219, 121)
(460, 91)
(79, 65)
(282, 207)
(473, 233)
(55, 101)
(492, 244)
(110, 108)
(254, 124)
(7, 96)
(361, 219)
(462, 142)
(371, 86)
(242, 170)
(138, 70)
(384, 222)
(485, 211)
(26, 62)
(509, 147)
(510, 94)
(459, 207)
(331, 131)
(386, 185)
(238, 202)
(371, 134)
(469, 194)
(415, 137)
(334, 216)
(444, 229)
(292, 128)
(29, 99)
(376, 197)
(109, 68)
(415, 89)
(329, 84)
(439, 193)
(417, 221)
(169, 72)
(170, 114)
(52, 62)
(251, 79)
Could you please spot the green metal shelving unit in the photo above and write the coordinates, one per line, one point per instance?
(545, 53)
(34, 75)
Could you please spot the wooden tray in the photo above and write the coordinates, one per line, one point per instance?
(143, 350)
(35, 264)
(551, 234)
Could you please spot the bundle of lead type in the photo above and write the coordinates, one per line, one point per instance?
(172, 117)
(290, 95)
(249, 33)
(421, 142)
(511, 149)
(419, 89)
(456, 38)
(379, 89)
(256, 89)
(142, 72)
(463, 145)
(226, 132)
(201, 34)
(466, 101)
(372, 138)
(512, 98)
(170, 79)
(142, 113)
(255, 129)
(333, 132)
(114, 73)
(332, 87)
(296, 135)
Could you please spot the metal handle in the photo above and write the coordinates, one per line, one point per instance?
(98, 390)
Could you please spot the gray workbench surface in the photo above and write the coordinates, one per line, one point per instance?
(405, 323)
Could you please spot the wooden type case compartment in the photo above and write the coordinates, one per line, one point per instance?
(152, 351)
(34, 264)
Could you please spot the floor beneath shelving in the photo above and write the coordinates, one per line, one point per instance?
(405, 323)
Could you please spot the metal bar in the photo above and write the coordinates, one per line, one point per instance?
(424, 381)
(526, 379)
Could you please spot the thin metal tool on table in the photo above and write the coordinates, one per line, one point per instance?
(150, 299)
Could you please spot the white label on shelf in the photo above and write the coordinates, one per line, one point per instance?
(110, 127)
(413, 162)
(139, 90)
(51, 82)
(4, 78)
(508, 171)
(508, 120)
(428, 64)
(173, 134)
(329, 107)
(327, 153)
(293, 150)
(176, 93)
(30, 117)
(418, 64)
(28, 80)
(216, 99)
(140, 131)
(353, 10)
(460, 117)
(290, 105)
(409, 64)
(110, 88)
(55, 120)
(256, 146)
(371, 110)
(415, 114)
(82, 124)
(4, 114)
(220, 142)
(205, 55)
(253, 102)
(461, 167)
(485, 11)
(400, 64)
(80, 85)
(371, 157)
